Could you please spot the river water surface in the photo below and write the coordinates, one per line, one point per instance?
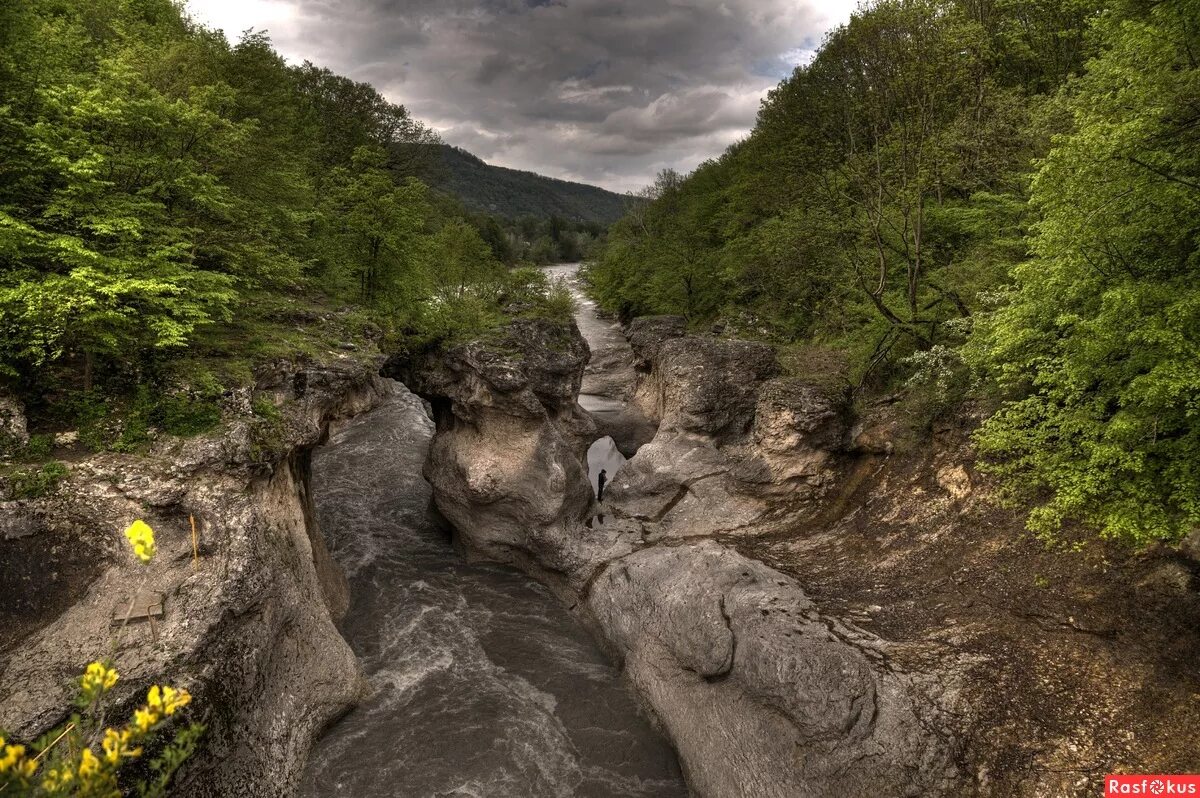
(482, 684)
(608, 377)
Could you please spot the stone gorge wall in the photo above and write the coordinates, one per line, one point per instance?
(760, 692)
(1040, 668)
(249, 629)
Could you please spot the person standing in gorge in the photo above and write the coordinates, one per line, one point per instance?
(600, 480)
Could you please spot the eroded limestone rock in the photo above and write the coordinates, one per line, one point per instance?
(249, 627)
(508, 456)
(734, 442)
(760, 693)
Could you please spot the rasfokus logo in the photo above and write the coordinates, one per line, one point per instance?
(1151, 785)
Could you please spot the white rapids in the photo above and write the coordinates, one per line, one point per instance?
(482, 684)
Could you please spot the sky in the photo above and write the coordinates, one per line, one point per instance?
(606, 92)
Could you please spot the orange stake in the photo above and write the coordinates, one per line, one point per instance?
(195, 543)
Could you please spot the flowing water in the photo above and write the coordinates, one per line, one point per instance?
(482, 684)
(608, 376)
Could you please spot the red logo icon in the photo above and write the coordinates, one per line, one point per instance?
(1152, 785)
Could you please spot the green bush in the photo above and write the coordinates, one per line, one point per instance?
(33, 483)
(264, 408)
(186, 415)
(557, 301)
(938, 384)
(39, 447)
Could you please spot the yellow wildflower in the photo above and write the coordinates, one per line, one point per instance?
(12, 755)
(89, 765)
(117, 745)
(27, 768)
(174, 700)
(56, 779)
(98, 678)
(141, 537)
(144, 719)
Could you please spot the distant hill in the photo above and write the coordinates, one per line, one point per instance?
(512, 193)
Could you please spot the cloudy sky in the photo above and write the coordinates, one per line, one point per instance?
(601, 91)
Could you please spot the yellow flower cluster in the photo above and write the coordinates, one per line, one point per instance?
(97, 680)
(13, 761)
(92, 774)
(90, 777)
(89, 765)
(118, 745)
(167, 701)
(141, 537)
(57, 780)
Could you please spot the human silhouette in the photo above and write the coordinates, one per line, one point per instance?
(600, 480)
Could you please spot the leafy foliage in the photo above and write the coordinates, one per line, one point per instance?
(953, 189)
(881, 192)
(167, 197)
(32, 483)
(1099, 340)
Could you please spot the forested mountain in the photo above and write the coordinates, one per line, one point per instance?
(174, 207)
(995, 200)
(511, 193)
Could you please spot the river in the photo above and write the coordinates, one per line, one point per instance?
(607, 381)
(482, 683)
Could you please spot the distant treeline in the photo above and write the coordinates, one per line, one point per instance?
(996, 200)
(539, 240)
(512, 194)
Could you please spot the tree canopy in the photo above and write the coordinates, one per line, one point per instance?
(160, 186)
(1006, 185)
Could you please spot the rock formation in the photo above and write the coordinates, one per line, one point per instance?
(249, 625)
(511, 439)
(12, 423)
(759, 691)
(736, 444)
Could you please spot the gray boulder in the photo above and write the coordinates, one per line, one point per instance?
(647, 334)
(508, 454)
(711, 386)
(760, 693)
(13, 432)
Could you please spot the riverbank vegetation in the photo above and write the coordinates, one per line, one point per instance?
(175, 209)
(972, 199)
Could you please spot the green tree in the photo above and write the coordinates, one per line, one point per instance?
(1099, 340)
(372, 231)
(162, 189)
(464, 264)
(502, 248)
(126, 246)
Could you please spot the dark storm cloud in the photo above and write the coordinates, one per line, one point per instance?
(605, 91)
